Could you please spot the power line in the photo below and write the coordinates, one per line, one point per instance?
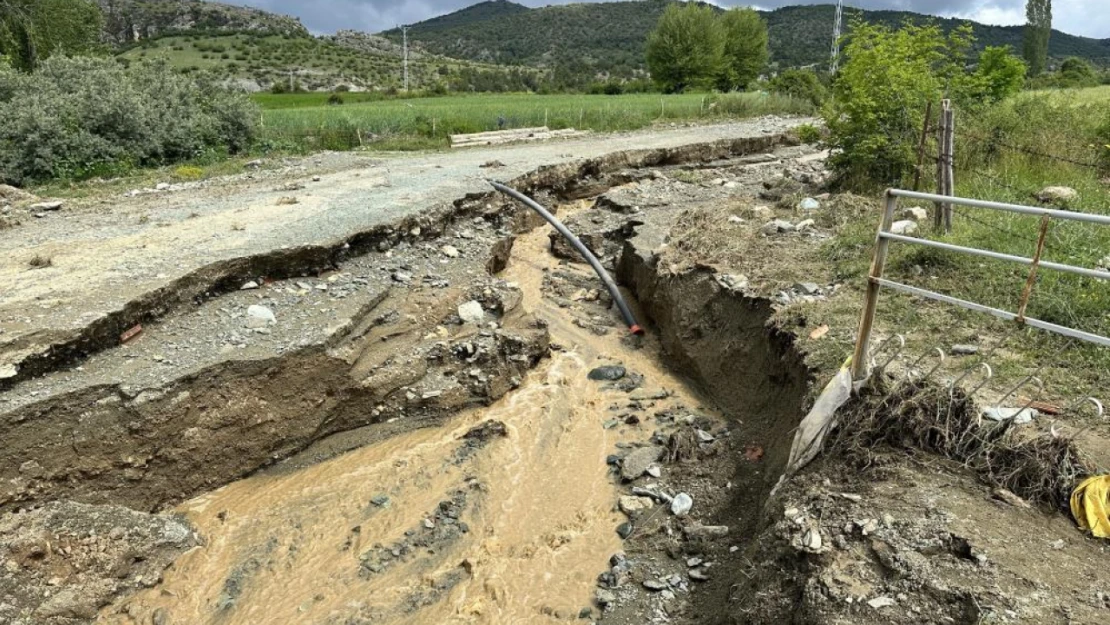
(837, 25)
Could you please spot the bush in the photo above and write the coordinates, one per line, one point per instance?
(75, 117)
(188, 172)
(335, 99)
(800, 83)
(808, 133)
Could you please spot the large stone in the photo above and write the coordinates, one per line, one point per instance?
(637, 462)
(50, 205)
(905, 227)
(915, 213)
(471, 312)
(632, 505)
(1061, 195)
(682, 504)
(607, 373)
(259, 316)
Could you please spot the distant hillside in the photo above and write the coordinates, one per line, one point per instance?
(258, 61)
(129, 21)
(609, 37)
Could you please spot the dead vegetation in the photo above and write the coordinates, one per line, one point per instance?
(1039, 467)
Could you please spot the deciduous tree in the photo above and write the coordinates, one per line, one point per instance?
(685, 49)
(1038, 28)
(745, 48)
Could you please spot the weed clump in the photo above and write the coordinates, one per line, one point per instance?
(1041, 468)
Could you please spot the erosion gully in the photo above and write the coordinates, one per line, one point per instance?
(498, 507)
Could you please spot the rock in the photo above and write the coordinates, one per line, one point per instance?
(249, 286)
(401, 276)
(1009, 497)
(162, 186)
(646, 395)
(698, 575)
(881, 602)
(732, 282)
(703, 436)
(471, 312)
(777, 226)
(604, 597)
(9, 193)
(807, 288)
(1104, 264)
(964, 350)
(450, 251)
(1061, 195)
(495, 164)
(812, 539)
(380, 501)
(607, 373)
(632, 505)
(735, 219)
(316, 179)
(287, 200)
(809, 204)
(702, 532)
(693, 562)
(255, 164)
(805, 224)
(904, 227)
(682, 504)
(655, 471)
(637, 462)
(732, 184)
(655, 585)
(8, 370)
(624, 530)
(915, 213)
(259, 316)
(51, 205)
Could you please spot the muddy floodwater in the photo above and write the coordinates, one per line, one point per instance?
(505, 515)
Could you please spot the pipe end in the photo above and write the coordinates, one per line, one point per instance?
(636, 330)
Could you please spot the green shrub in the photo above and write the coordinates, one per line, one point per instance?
(74, 117)
(800, 83)
(335, 99)
(808, 133)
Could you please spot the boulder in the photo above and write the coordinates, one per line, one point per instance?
(904, 227)
(1061, 195)
(915, 213)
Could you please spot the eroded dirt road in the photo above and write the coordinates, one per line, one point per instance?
(117, 260)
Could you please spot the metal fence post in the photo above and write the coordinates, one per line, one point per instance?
(871, 301)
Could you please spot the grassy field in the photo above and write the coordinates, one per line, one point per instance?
(1008, 153)
(420, 123)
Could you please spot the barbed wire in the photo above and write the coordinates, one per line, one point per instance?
(995, 141)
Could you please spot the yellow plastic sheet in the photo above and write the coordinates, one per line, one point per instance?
(1090, 505)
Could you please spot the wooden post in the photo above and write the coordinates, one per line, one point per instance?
(921, 146)
(949, 160)
(433, 127)
(871, 300)
(942, 141)
(358, 132)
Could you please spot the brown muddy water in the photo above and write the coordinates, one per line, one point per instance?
(431, 526)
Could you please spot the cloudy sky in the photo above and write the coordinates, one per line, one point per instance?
(1080, 17)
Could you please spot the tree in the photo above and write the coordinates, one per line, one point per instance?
(800, 83)
(685, 49)
(32, 30)
(1038, 28)
(1000, 73)
(881, 90)
(1075, 72)
(745, 48)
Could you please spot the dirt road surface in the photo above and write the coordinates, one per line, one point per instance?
(111, 252)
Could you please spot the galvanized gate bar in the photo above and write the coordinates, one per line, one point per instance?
(1002, 206)
(940, 245)
(882, 245)
(1002, 314)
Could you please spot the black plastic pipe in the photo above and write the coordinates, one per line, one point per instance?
(582, 249)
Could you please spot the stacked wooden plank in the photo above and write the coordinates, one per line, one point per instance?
(498, 137)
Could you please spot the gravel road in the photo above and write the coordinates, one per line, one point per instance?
(109, 251)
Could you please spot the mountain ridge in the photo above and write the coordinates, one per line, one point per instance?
(609, 36)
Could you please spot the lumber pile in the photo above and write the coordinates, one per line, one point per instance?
(498, 137)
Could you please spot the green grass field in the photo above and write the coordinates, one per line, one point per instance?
(420, 123)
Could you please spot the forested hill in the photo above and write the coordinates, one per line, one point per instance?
(609, 36)
(128, 21)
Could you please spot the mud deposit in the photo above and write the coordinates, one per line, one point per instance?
(504, 516)
(447, 424)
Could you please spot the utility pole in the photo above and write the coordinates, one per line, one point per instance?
(837, 24)
(405, 39)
